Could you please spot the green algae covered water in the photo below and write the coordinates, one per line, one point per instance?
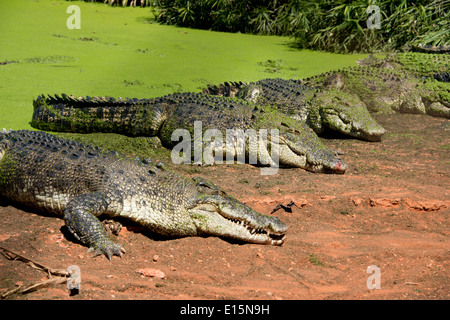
(122, 52)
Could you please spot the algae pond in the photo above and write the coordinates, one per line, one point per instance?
(123, 52)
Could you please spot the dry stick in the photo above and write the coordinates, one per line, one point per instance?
(61, 273)
(34, 287)
(11, 255)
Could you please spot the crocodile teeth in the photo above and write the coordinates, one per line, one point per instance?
(275, 238)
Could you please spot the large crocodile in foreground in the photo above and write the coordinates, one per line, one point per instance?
(81, 182)
(297, 145)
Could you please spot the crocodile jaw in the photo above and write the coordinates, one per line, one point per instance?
(223, 216)
(337, 167)
(355, 122)
(372, 135)
(311, 157)
(355, 129)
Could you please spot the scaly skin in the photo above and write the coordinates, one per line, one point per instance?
(80, 182)
(340, 101)
(324, 110)
(297, 145)
(402, 82)
(428, 49)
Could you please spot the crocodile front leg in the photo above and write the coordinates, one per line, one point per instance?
(80, 218)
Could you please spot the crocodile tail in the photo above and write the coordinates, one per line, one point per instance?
(44, 115)
(226, 89)
(430, 49)
(212, 90)
(134, 117)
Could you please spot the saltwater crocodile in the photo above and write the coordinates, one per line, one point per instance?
(82, 182)
(297, 145)
(404, 82)
(325, 111)
(428, 49)
(339, 100)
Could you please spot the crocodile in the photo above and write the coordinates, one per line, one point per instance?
(428, 48)
(297, 145)
(408, 82)
(325, 111)
(341, 101)
(81, 182)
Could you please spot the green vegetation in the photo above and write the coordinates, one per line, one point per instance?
(313, 259)
(337, 26)
(120, 52)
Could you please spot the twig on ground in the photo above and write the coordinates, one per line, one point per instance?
(61, 274)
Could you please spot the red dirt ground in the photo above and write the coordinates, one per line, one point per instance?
(390, 209)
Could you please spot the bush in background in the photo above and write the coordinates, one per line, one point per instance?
(336, 26)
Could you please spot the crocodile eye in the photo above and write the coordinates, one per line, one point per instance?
(207, 187)
(210, 191)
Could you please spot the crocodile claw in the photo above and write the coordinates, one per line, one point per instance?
(108, 248)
